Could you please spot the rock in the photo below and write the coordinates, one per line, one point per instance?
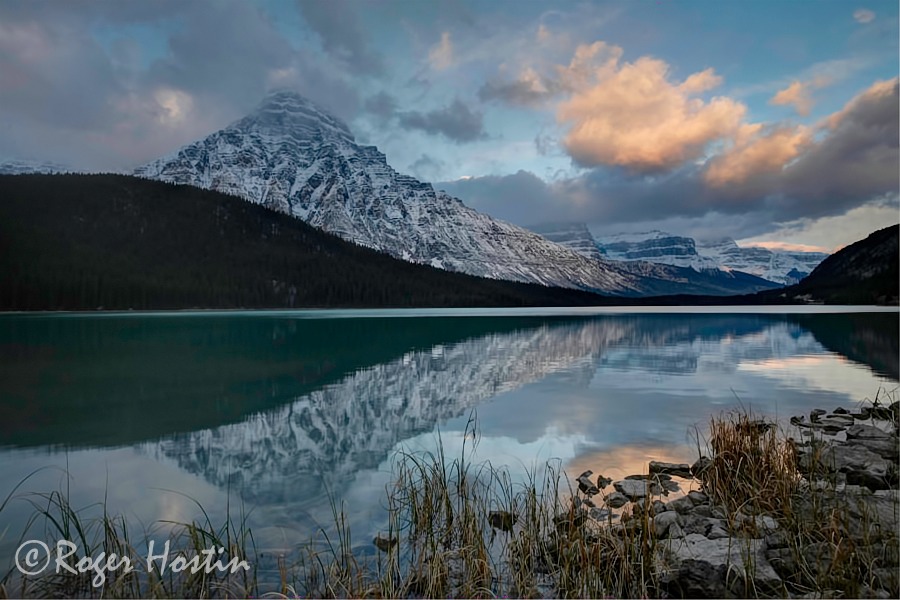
(588, 502)
(777, 539)
(883, 447)
(587, 473)
(703, 568)
(599, 514)
(502, 520)
(586, 486)
(765, 523)
(384, 544)
(816, 413)
(841, 411)
(702, 464)
(658, 507)
(681, 505)
(783, 561)
(698, 497)
(675, 531)
(676, 469)
(670, 486)
(662, 522)
(717, 533)
(867, 432)
(603, 482)
(634, 489)
(616, 500)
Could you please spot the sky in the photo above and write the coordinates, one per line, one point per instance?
(774, 122)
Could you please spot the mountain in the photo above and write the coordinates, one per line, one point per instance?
(574, 236)
(865, 272)
(655, 246)
(22, 166)
(83, 242)
(781, 266)
(293, 157)
(665, 264)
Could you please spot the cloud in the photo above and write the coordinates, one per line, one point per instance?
(427, 168)
(798, 94)
(863, 15)
(858, 156)
(95, 102)
(440, 56)
(757, 151)
(528, 89)
(381, 105)
(632, 115)
(457, 122)
(342, 37)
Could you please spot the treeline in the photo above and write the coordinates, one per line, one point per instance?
(114, 242)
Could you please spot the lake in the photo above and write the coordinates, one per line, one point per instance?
(280, 412)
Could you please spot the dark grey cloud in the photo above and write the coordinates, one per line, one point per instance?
(427, 168)
(94, 101)
(457, 122)
(522, 198)
(342, 36)
(382, 105)
(516, 93)
(859, 158)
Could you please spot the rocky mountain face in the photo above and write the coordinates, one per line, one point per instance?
(293, 157)
(23, 167)
(778, 266)
(655, 246)
(781, 266)
(666, 264)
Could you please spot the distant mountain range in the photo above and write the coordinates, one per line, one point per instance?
(23, 166)
(776, 266)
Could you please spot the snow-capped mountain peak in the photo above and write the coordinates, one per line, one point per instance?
(294, 157)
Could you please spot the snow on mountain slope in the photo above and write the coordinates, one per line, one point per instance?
(655, 246)
(666, 264)
(292, 156)
(574, 236)
(23, 167)
(780, 266)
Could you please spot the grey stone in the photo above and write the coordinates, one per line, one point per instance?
(663, 521)
(702, 568)
(866, 431)
(658, 507)
(677, 469)
(698, 497)
(616, 500)
(599, 514)
(777, 539)
(675, 531)
(700, 466)
(887, 448)
(635, 489)
(670, 486)
(716, 533)
(681, 505)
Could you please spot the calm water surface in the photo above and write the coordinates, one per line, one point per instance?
(278, 409)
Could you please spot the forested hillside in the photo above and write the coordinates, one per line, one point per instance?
(87, 242)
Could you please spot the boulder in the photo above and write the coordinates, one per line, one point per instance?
(698, 497)
(867, 432)
(634, 489)
(676, 469)
(616, 500)
(697, 567)
(662, 522)
(681, 505)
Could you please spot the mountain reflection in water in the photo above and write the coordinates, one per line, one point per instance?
(282, 410)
